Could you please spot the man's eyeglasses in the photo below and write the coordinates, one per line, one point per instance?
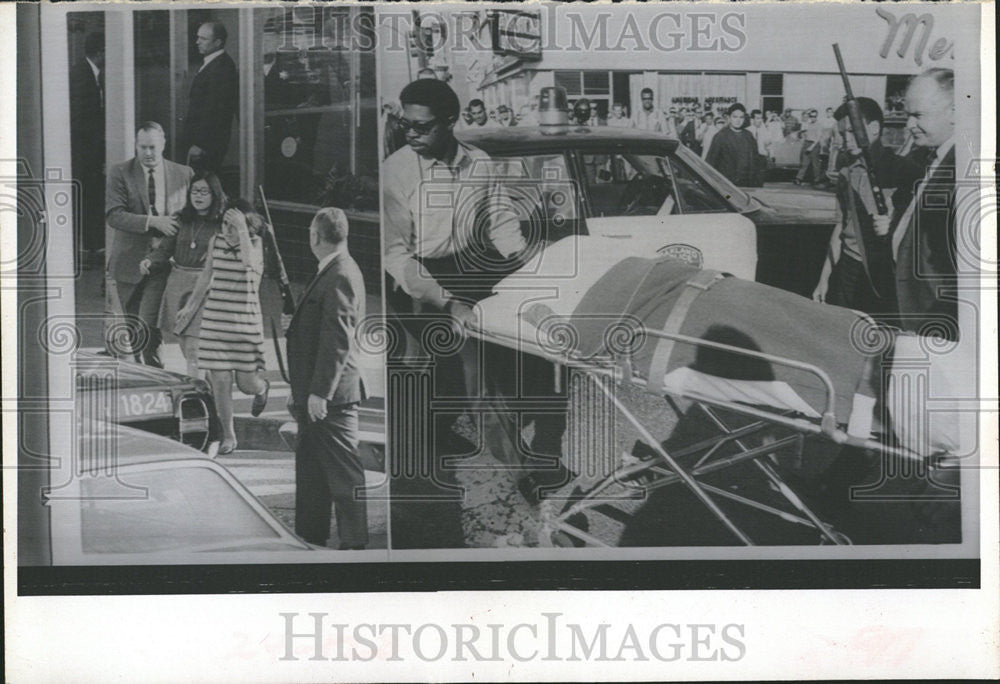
(206, 192)
(418, 127)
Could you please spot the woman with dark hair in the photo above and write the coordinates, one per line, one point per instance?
(231, 332)
(184, 254)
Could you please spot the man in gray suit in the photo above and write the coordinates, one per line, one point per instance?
(326, 388)
(141, 198)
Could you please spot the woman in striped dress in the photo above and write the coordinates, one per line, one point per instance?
(231, 336)
(184, 254)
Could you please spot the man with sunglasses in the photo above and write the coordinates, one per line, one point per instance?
(449, 237)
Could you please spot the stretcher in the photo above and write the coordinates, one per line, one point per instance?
(630, 343)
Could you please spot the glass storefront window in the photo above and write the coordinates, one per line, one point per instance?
(320, 109)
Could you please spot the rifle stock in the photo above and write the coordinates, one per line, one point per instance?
(284, 286)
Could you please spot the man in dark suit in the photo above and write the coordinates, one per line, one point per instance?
(923, 231)
(212, 101)
(86, 106)
(326, 388)
(141, 198)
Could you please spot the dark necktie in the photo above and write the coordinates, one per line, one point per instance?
(151, 188)
(100, 85)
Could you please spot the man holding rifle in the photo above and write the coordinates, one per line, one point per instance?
(858, 271)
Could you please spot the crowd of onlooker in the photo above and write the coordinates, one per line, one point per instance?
(694, 123)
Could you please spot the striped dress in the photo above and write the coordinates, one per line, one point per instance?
(232, 328)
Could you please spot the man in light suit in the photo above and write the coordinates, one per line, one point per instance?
(326, 388)
(141, 197)
(923, 231)
(212, 101)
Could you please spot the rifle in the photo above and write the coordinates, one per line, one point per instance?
(860, 133)
(287, 300)
(284, 285)
(878, 260)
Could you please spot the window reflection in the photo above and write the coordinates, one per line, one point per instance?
(319, 86)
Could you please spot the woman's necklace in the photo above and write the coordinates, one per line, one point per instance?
(200, 222)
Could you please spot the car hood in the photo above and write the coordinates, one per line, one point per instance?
(131, 375)
(787, 203)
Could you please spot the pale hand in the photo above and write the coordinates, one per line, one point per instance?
(144, 266)
(316, 407)
(165, 224)
(819, 294)
(881, 224)
(237, 220)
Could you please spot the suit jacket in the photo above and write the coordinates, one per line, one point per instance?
(322, 351)
(212, 104)
(926, 258)
(126, 207)
(86, 108)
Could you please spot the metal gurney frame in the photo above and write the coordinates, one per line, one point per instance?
(665, 468)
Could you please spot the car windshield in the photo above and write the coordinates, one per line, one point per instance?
(741, 201)
(630, 184)
(185, 508)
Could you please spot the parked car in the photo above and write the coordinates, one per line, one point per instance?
(147, 398)
(128, 497)
(618, 176)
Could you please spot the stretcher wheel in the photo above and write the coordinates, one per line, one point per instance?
(841, 537)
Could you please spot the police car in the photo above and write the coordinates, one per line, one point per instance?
(627, 183)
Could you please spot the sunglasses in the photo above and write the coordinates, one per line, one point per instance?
(418, 127)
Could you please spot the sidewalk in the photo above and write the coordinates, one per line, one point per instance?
(260, 433)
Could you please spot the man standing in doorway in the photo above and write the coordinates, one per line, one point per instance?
(142, 196)
(212, 101)
(86, 106)
(326, 389)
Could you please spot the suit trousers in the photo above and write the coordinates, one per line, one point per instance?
(328, 472)
(141, 303)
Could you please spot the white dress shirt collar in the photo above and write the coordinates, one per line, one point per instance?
(209, 57)
(325, 261)
(96, 70)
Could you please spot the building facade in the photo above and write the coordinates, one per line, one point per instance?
(305, 131)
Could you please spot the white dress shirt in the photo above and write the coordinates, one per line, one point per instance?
(419, 214)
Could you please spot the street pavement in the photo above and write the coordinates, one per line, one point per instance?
(270, 476)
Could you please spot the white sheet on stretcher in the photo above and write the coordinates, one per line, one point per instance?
(925, 425)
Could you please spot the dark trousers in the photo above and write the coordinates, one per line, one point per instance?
(329, 472)
(136, 306)
(850, 288)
